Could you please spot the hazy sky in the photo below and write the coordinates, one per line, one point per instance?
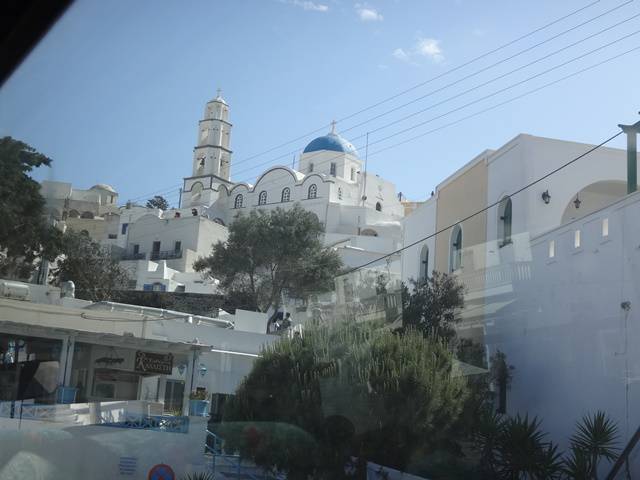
(115, 90)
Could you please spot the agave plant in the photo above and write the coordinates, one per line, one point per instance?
(596, 438)
(198, 476)
(485, 439)
(522, 451)
(578, 465)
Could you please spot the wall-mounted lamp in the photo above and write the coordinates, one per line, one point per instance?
(202, 369)
(577, 202)
(546, 198)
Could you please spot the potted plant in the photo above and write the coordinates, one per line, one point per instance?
(198, 403)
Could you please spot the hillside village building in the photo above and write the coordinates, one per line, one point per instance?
(549, 272)
(545, 272)
(330, 181)
(361, 211)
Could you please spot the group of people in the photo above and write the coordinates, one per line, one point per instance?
(279, 323)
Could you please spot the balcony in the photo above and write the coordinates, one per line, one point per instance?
(166, 255)
(133, 256)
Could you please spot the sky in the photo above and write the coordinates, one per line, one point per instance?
(114, 91)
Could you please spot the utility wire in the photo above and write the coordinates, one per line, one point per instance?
(482, 85)
(490, 95)
(441, 75)
(482, 70)
(414, 87)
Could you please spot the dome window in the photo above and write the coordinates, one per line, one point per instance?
(313, 191)
(311, 167)
(332, 169)
(286, 194)
(238, 201)
(378, 206)
(262, 198)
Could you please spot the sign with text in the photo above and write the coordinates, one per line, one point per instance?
(148, 362)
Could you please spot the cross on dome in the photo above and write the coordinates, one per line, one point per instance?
(333, 126)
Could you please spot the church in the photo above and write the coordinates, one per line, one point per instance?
(361, 211)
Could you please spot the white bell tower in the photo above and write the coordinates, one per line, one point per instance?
(211, 155)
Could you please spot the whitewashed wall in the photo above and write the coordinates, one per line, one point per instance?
(527, 158)
(574, 349)
(419, 224)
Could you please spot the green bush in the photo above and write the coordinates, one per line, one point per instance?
(311, 403)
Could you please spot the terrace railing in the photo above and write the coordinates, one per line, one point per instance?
(166, 255)
(161, 423)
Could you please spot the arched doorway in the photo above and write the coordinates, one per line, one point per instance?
(593, 197)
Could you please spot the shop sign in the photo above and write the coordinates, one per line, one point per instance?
(149, 362)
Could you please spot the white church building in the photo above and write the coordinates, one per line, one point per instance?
(330, 181)
(361, 211)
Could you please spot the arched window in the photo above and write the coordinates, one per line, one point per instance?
(504, 222)
(313, 191)
(339, 193)
(378, 206)
(262, 198)
(196, 191)
(238, 201)
(310, 167)
(455, 249)
(286, 194)
(424, 263)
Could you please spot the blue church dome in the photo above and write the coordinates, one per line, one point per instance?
(331, 141)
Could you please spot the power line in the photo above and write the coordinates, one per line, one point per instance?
(414, 87)
(511, 57)
(467, 77)
(493, 94)
(443, 74)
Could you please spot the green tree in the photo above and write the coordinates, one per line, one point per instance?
(158, 201)
(313, 402)
(25, 235)
(432, 304)
(268, 254)
(90, 266)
